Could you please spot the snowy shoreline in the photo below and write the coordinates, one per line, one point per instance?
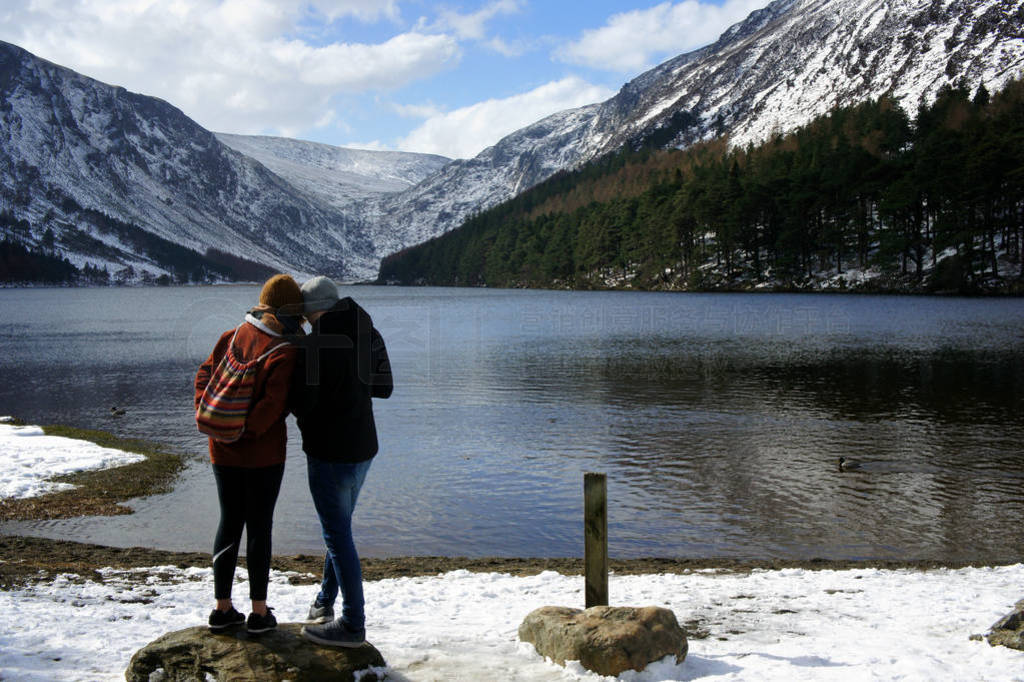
(791, 624)
(61, 471)
(70, 614)
(31, 458)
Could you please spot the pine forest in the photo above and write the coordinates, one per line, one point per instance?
(866, 197)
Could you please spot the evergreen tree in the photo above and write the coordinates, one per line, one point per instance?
(860, 186)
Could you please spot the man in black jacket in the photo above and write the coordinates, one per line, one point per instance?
(345, 365)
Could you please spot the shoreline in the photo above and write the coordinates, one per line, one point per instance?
(98, 492)
(772, 625)
(26, 560)
(1011, 288)
(1014, 289)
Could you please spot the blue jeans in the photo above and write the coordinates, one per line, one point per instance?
(335, 488)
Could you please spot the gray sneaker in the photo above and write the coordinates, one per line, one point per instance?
(318, 613)
(334, 633)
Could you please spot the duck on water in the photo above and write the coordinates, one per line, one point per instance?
(848, 464)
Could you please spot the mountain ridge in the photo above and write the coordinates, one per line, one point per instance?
(72, 145)
(739, 86)
(860, 199)
(337, 176)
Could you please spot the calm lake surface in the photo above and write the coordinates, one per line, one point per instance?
(719, 419)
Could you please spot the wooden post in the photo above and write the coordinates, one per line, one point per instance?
(595, 539)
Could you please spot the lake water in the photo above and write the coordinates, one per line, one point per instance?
(718, 419)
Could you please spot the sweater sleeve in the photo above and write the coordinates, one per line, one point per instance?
(273, 403)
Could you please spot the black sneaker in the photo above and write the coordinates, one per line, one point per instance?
(257, 623)
(222, 620)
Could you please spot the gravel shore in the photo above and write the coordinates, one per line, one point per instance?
(29, 560)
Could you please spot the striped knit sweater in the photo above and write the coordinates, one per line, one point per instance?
(265, 438)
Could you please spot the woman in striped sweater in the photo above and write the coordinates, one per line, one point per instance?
(249, 467)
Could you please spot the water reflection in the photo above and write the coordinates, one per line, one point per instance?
(742, 440)
(719, 419)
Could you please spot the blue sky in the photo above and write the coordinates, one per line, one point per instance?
(440, 77)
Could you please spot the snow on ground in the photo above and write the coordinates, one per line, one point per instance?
(30, 458)
(791, 624)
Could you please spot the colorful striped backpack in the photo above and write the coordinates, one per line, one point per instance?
(225, 402)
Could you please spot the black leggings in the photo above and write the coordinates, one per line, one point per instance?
(247, 498)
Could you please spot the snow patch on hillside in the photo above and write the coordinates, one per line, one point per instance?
(336, 175)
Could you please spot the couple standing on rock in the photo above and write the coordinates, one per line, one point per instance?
(257, 374)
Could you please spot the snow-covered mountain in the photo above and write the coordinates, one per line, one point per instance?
(73, 150)
(774, 71)
(796, 59)
(121, 179)
(463, 187)
(335, 175)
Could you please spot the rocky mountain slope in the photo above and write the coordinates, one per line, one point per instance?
(796, 59)
(122, 181)
(75, 152)
(443, 201)
(776, 70)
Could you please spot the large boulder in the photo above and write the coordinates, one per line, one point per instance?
(604, 639)
(1009, 630)
(282, 654)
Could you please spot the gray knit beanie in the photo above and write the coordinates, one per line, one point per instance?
(319, 293)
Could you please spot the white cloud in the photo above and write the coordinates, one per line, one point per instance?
(629, 41)
(427, 110)
(505, 48)
(466, 132)
(232, 65)
(365, 10)
(473, 25)
(357, 68)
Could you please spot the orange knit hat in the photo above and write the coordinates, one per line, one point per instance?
(280, 291)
